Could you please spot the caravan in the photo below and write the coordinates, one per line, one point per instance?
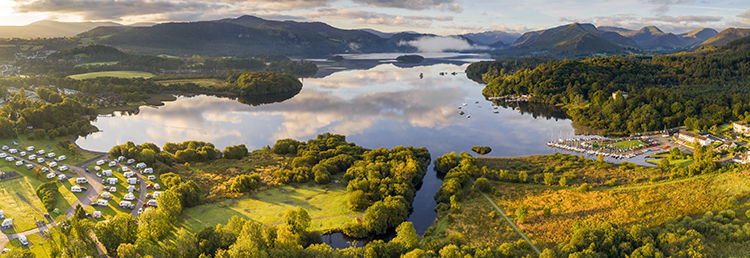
(126, 205)
(52, 164)
(112, 181)
(132, 181)
(62, 168)
(148, 171)
(112, 164)
(129, 197)
(128, 174)
(100, 162)
(76, 189)
(61, 158)
(81, 180)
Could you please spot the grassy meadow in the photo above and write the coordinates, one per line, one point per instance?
(325, 204)
(116, 74)
(629, 203)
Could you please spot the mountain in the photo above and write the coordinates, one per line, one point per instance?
(576, 39)
(50, 29)
(654, 39)
(699, 36)
(726, 36)
(242, 36)
(613, 29)
(492, 38)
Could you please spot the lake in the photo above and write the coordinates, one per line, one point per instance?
(373, 101)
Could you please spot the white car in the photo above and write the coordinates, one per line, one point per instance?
(112, 164)
(9, 159)
(151, 177)
(52, 164)
(100, 162)
(148, 171)
(32, 157)
(19, 163)
(40, 160)
(22, 154)
(3, 155)
(41, 152)
(51, 155)
(5, 147)
(30, 148)
(61, 158)
(62, 168)
(130, 161)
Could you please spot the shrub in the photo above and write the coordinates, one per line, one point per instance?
(235, 152)
(245, 183)
(482, 184)
(48, 192)
(482, 150)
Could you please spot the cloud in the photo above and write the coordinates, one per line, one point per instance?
(113, 10)
(745, 14)
(177, 10)
(676, 24)
(664, 5)
(432, 44)
(281, 5)
(374, 18)
(445, 5)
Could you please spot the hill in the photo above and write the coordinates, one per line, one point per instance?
(726, 36)
(242, 36)
(652, 38)
(575, 39)
(490, 38)
(50, 29)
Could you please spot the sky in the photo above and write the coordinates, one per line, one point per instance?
(442, 17)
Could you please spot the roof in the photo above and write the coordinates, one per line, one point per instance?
(692, 134)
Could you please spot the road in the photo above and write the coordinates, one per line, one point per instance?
(92, 193)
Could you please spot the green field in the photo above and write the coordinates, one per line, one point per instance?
(206, 82)
(37, 245)
(673, 162)
(25, 183)
(96, 64)
(51, 145)
(623, 145)
(116, 74)
(325, 204)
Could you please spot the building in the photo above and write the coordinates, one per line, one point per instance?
(690, 137)
(741, 128)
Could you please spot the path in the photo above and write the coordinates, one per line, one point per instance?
(513, 225)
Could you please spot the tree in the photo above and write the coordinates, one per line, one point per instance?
(235, 152)
(127, 251)
(119, 230)
(406, 236)
(522, 213)
(169, 201)
(245, 183)
(549, 178)
(297, 219)
(483, 185)
(74, 151)
(186, 244)
(357, 200)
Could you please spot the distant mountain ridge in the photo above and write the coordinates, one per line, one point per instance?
(250, 35)
(726, 36)
(50, 29)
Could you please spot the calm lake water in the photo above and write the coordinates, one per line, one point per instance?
(374, 102)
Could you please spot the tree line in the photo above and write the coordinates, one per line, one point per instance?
(631, 94)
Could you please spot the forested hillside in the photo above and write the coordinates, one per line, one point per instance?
(630, 94)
